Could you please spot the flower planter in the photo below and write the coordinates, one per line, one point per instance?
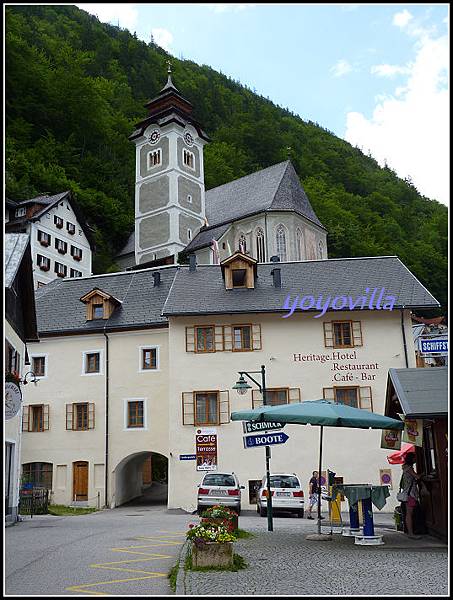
(212, 554)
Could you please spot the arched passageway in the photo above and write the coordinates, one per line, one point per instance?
(142, 479)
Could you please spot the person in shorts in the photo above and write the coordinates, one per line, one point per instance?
(313, 493)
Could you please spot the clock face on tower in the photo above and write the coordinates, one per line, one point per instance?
(188, 139)
(154, 136)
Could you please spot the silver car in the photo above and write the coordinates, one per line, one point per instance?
(219, 488)
(287, 494)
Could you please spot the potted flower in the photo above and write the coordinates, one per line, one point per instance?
(221, 515)
(211, 545)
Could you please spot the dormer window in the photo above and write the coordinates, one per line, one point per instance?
(20, 212)
(188, 159)
(239, 271)
(154, 158)
(99, 305)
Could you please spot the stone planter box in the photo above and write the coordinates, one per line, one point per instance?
(212, 554)
(230, 524)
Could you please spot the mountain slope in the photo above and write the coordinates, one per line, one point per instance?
(76, 87)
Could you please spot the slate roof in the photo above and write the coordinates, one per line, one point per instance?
(205, 236)
(422, 392)
(60, 310)
(15, 246)
(330, 277)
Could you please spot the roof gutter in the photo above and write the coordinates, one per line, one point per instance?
(404, 337)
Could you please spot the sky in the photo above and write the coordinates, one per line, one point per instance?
(376, 75)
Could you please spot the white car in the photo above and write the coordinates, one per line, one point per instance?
(287, 494)
(219, 488)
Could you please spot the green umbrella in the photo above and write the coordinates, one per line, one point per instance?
(319, 412)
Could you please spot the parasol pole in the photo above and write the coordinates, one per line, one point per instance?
(319, 479)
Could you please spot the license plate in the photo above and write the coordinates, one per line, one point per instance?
(286, 494)
(218, 493)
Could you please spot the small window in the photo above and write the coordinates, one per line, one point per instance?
(41, 284)
(39, 366)
(276, 396)
(347, 395)
(75, 273)
(281, 243)
(342, 334)
(154, 158)
(98, 311)
(43, 262)
(60, 269)
(92, 362)
(188, 159)
(70, 227)
(58, 222)
(189, 234)
(239, 277)
(38, 474)
(81, 416)
(206, 408)
(242, 337)
(260, 248)
(61, 246)
(189, 198)
(20, 212)
(37, 418)
(76, 253)
(149, 359)
(204, 339)
(43, 238)
(135, 414)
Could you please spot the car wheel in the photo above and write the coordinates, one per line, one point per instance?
(200, 509)
(263, 512)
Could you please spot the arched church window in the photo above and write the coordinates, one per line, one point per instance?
(281, 243)
(320, 249)
(260, 252)
(188, 159)
(299, 243)
(154, 158)
(242, 244)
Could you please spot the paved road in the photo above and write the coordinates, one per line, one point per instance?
(128, 550)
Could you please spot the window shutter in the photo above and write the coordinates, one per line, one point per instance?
(91, 407)
(328, 393)
(366, 400)
(357, 333)
(188, 408)
(256, 337)
(227, 337)
(218, 338)
(293, 395)
(328, 335)
(69, 412)
(45, 409)
(190, 339)
(257, 398)
(25, 418)
(224, 407)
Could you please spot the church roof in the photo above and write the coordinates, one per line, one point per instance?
(276, 188)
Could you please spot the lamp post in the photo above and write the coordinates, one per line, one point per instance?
(242, 386)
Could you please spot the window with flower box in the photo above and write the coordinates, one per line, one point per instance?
(70, 227)
(60, 270)
(43, 262)
(61, 246)
(58, 221)
(75, 273)
(76, 253)
(44, 238)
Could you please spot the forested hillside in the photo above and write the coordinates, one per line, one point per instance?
(75, 88)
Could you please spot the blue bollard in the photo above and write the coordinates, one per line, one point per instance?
(354, 517)
(368, 525)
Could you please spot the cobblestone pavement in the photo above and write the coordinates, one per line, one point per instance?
(283, 562)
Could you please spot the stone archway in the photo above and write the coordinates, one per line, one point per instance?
(141, 478)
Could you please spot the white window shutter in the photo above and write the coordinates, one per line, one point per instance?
(357, 333)
(69, 416)
(218, 338)
(190, 339)
(46, 417)
(224, 407)
(91, 409)
(188, 408)
(366, 400)
(256, 337)
(257, 398)
(293, 395)
(328, 335)
(328, 393)
(228, 337)
(25, 418)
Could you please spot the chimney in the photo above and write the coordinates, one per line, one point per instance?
(156, 276)
(277, 277)
(275, 259)
(192, 263)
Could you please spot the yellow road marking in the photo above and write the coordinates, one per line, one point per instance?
(83, 588)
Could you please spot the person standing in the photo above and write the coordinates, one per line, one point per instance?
(408, 485)
(314, 492)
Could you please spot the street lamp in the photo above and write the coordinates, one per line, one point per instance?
(242, 386)
(33, 379)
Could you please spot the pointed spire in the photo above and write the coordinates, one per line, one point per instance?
(169, 83)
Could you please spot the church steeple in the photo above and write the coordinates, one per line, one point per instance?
(169, 187)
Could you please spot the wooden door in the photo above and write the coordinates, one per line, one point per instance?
(80, 480)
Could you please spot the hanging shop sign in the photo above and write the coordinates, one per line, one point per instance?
(413, 431)
(206, 449)
(391, 439)
(437, 346)
(13, 400)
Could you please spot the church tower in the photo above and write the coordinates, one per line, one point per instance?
(169, 177)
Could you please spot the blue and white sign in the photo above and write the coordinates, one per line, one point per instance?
(430, 346)
(187, 457)
(257, 426)
(268, 439)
